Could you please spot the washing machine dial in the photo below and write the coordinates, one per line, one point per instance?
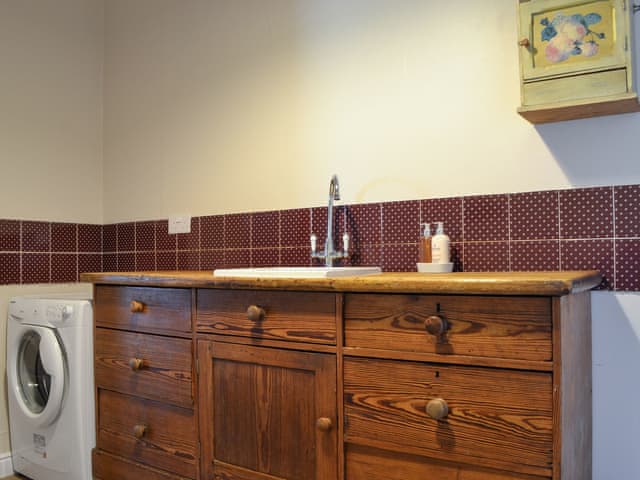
(66, 312)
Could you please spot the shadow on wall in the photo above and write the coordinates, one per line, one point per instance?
(616, 385)
(605, 144)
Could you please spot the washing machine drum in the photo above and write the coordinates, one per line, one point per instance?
(39, 375)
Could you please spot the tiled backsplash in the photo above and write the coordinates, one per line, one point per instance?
(585, 228)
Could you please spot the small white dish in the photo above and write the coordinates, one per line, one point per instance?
(435, 267)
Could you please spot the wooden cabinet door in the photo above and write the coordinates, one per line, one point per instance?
(266, 413)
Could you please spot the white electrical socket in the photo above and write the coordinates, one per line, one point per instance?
(180, 224)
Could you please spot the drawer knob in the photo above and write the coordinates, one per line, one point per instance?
(324, 424)
(255, 313)
(436, 325)
(437, 409)
(140, 431)
(136, 306)
(136, 363)
(524, 43)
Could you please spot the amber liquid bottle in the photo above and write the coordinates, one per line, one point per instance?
(424, 244)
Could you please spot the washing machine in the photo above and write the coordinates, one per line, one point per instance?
(50, 386)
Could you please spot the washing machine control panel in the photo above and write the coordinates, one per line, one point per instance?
(59, 313)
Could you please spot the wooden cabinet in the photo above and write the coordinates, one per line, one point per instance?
(145, 425)
(268, 410)
(345, 381)
(576, 59)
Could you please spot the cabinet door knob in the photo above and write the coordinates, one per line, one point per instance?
(436, 325)
(524, 42)
(437, 409)
(324, 424)
(136, 363)
(139, 430)
(255, 313)
(136, 306)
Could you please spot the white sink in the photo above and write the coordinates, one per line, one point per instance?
(296, 272)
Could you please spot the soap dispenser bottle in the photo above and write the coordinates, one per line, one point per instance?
(440, 245)
(424, 244)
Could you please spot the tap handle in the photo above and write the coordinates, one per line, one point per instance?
(345, 243)
(314, 241)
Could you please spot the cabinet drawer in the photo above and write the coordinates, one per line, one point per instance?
(148, 432)
(144, 365)
(499, 327)
(109, 467)
(144, 309)
(496, 418)
(292, 316)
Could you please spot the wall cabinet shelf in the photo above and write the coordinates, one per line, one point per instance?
(576, 59)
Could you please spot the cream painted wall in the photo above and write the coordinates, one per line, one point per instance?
(51, 110)
(219, 106)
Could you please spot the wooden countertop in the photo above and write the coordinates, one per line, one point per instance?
(487, 283)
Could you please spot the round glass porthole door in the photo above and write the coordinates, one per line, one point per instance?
(40, 367)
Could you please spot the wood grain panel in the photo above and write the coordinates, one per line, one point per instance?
(364, 463)
(111, 467)
(166, 372)
(170, 442)
(299, 317)
(497, 418)
(498, 327)
(165, 310)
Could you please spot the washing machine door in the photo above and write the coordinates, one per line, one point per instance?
(39, 374)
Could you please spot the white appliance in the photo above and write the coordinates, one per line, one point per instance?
(50, 386)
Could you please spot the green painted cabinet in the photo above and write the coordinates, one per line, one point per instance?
(576, 59)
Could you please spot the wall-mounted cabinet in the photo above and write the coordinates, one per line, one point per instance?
(576, 59)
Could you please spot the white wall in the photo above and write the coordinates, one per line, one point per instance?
(51, 110)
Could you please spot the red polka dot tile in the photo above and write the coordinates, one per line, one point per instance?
(36, 268)
(486, 218)
(399, 258)
(535, 256)
(165, 241)
(9, 235)
(9, 268)
(189, 260)
(126, 262)
(628, 265)
(212, 232)
(457, 256)
(126, 237)
(295, 256)
(64, 267)
(627, 211)
(64, 237)
(211, 259)
(191, 240)
(589, 255)
(447, 210)
(145, 236)
(237, 230)
(89, 262)
(110, 262)
(319, 222)
(364, 224)
(295, 228)
(36, 236)
(265, 257)
(367, 255)
(166, 260)
(109, 238)
(534, 216)
(145, 261)
(89, 238)
(237, 258)
(586, 213)
(486, 257)
(400, 222)
(265, 229)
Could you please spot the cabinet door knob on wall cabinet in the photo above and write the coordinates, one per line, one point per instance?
(136, 306)
(436, 325)
(437, 409)
(136, 363)
(139, 431)
(324, 424)
(524, 42)
(255, 313)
